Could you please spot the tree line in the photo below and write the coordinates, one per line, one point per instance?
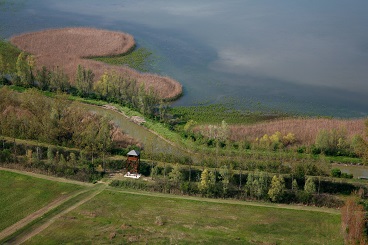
(251, 185)
(111, 87)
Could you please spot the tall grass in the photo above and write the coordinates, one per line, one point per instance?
(304, 129)
(69, 47)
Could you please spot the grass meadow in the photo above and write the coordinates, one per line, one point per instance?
(119, 218)
(21, 195)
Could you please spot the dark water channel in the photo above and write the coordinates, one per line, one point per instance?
(307, 56)
(151, 142)
(357, 171)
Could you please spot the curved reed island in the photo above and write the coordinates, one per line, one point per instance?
(69, 47)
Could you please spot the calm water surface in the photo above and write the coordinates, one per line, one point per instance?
(306, 56)
(356, 171)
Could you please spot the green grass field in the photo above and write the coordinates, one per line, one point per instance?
(21, 195)
(120, 218)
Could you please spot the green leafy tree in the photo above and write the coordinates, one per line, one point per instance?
(62, 161)
(249, 189)
(24, 71)
(207, 183)
(204, 183)
(147, 100)
(2, 67)
(310, 186)
(73, 161)
(162, 110)
(263, 181)
(103, 138)
(43, 78)
(294, 185)
(277, 188)
(189, 125)
(84, 80)
(257, 184)
(59, 80)
(102, 85)
(332, 141)
(154, 172)
(226, 172)
(360, 147)
(50, 155)
(176, 175)
(218, 134)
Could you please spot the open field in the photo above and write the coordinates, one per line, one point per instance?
(113, 217)
(69, 47)
(118, 217)
(22, 195)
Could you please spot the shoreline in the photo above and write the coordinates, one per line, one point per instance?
(70, 47)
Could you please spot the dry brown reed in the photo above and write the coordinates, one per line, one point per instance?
(305, 130)
(69, 47)
(122, 140)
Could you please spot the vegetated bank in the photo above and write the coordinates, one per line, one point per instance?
(67, 48)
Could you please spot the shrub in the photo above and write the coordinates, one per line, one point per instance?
(346, 176)
(332, 142)
(189, 188)
(5, 156)
(325, 200)
(301, 149)
(288, 139)
(303, 197)
(335, 172)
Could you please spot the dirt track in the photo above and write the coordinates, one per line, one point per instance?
(27, 235)
(25, 221)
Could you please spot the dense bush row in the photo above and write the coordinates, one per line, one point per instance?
(254, 185)
(54, 160)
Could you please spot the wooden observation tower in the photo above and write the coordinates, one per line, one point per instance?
(133, 160)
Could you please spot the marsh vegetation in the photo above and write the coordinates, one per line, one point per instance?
(65, 49)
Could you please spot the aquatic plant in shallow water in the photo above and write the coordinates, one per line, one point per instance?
(139, 59)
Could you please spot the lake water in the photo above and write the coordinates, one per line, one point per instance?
(307, 56)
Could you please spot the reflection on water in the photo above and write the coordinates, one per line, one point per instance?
(307, 56)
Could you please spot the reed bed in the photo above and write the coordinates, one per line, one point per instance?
(304, 129)
(69, 47)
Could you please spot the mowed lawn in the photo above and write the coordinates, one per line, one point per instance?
(21, 195)
(119, 218)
